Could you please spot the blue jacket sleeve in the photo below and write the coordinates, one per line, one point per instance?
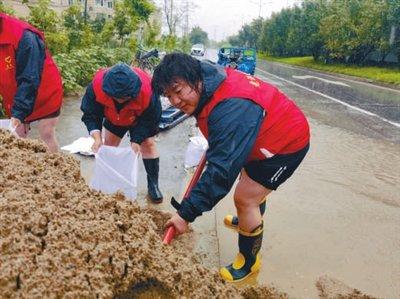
(93, 112)
(147, 124)
(233, 128)
(29, 58)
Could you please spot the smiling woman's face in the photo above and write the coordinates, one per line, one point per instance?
(182, 96)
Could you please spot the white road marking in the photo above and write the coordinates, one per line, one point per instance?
(333, 99)
(321, 79)
(344, 78)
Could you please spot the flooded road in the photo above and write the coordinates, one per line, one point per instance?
(339, 215)
(381, 101)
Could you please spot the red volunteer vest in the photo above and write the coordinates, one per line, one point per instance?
(284, 129)
(50, 92)
(128, 115)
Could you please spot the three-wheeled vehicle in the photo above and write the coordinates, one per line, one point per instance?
(242, 59)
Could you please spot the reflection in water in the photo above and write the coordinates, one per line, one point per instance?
(364, 165)
(384, 102)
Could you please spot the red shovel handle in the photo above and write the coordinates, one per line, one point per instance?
(171, 231)
(196, 176)
(169, 235)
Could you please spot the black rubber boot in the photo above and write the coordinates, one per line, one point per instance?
(248, 260)
(152, 168)
(232, 221)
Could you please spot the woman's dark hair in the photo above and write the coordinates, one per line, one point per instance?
(176, 66)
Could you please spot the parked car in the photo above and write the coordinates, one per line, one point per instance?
(198, 50)
(242, 59)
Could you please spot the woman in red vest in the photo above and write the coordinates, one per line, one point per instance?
(30, 83)
(121, 100)
(252, 129)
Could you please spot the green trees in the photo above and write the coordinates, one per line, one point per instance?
(74, 31)
(329, 30)
(198, 36)
(74, 24)
(277, 33)
(248, 35)
(394, 24)
(123, 22)
(352, 29)
(45, 19)
(150, 32)
(140, 9)
(312, 13)
(80, 45)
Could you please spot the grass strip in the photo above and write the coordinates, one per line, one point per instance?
(386, 75)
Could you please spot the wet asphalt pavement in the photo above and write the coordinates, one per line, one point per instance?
(339, 215)
(379, 100)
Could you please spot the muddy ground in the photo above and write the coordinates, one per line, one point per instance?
(61, 239)
(337, 217)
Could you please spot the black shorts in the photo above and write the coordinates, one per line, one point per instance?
(51, 115)
(121, 131)
(116, 130)
(274, 171)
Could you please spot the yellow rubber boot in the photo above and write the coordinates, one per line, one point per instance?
(248, 260)
(232, 221)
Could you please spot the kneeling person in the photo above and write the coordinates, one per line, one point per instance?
(121, 99)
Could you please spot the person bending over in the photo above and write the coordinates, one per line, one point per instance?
(30, 83)
(252, 129)
(121, 100)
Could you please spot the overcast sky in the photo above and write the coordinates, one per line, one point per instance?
(222, 18)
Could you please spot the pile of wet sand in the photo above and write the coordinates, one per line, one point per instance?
(58, 238)
(333, 288)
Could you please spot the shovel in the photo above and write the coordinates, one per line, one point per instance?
(170, 232)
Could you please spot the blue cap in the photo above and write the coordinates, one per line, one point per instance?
(121, 81)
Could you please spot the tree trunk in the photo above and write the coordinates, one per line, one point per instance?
(85, 13)
(366, 53)
(397, 43)
(382, 60)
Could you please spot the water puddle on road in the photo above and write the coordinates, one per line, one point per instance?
(366, 166)
(338, 216)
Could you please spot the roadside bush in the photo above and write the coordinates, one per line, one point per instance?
(78, 67)
(57, 42)
(169, 42)
(6, 9)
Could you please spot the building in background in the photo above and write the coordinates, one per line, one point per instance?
(95, 8)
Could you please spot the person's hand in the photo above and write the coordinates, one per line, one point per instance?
(135, 147)
(18, 128)
(96, 145)
(15, 123)
(180, 224)
(97, 141)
